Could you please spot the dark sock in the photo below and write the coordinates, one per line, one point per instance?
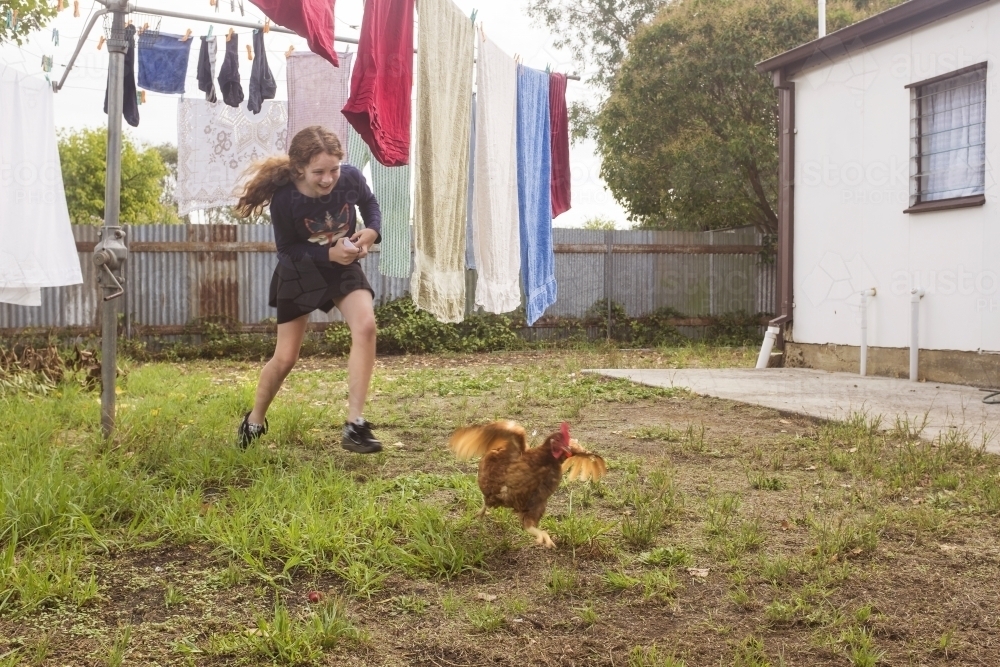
(229, 74)
(130, 103)
(262, 85)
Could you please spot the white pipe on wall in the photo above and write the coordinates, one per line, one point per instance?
(822, 18)
(915, 295)
(864, 329)
(767, 346)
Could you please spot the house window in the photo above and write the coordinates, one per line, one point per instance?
(948, 145)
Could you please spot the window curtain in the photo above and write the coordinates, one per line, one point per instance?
(952, 139)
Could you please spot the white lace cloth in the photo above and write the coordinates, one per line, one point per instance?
(215, 145)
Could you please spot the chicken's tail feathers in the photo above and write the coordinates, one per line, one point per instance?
(472, 441)
(584, 466)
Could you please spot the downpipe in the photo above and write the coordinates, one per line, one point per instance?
(765, 349)
(915, 295)
(864, 329)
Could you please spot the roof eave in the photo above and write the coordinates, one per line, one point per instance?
(863, 34)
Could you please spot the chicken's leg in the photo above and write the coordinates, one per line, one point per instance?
(541, 537)
(482, 512)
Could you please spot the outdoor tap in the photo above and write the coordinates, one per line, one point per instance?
(110, 254)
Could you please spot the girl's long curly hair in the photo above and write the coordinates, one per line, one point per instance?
(263, 178)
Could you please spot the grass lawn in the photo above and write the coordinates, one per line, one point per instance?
(723, 534)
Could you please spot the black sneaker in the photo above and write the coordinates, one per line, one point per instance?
(358, 438)
(247, 432)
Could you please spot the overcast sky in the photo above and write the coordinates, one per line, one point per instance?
(80, 102)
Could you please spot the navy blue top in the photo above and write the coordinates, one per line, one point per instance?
(305, 227)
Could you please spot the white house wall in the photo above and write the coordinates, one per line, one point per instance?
(852, 185)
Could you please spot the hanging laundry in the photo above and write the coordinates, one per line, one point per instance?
(495, 214)
(316, 93)
(382, 83)
(444, 89)
(311, 19)
(262, 85)
(206, 68)
(216, 143)
(37, 248)
(130, 104)
(229, 73)
(391, 186)
(163, 63)
(559, 128)
(534, 191)
(470, 251)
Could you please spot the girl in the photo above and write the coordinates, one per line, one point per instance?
(312, 200)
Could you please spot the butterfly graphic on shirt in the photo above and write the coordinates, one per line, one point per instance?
(332, 228)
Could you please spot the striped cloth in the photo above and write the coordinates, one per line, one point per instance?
(391, 186)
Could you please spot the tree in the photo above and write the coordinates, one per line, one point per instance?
(168, 185)
(689, 134)
(596, 33)
(600, 223)
(84, 166)
(31, 15)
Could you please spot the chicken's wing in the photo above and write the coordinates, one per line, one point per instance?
(473, 441)
(583, 465)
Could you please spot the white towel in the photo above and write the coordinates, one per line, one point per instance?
(317, 91)
(444, 116)
(37, 248)
(215, 145)
(497, 239)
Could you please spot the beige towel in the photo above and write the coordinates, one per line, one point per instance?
(444, 118)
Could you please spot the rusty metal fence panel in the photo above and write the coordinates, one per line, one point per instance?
(179, 276)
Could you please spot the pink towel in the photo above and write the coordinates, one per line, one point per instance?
(311, 19)
(379, 106)
(559, 127)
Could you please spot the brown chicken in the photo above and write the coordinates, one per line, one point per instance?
(511, 475)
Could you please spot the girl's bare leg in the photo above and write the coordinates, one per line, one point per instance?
(286, 353)
(359, 312)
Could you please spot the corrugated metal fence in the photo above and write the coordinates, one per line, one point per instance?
(179, 276)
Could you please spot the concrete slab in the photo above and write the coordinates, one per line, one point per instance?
(837, 395)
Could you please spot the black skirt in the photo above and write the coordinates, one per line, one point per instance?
(300, 287)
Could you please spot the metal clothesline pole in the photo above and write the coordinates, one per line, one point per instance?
(111, 252)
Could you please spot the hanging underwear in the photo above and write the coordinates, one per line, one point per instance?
(130, 103)
(206, 68)
(262, 85)
(229, 74)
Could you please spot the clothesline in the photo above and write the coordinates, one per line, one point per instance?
(195, 17)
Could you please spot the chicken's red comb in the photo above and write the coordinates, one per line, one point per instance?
(565, 433)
